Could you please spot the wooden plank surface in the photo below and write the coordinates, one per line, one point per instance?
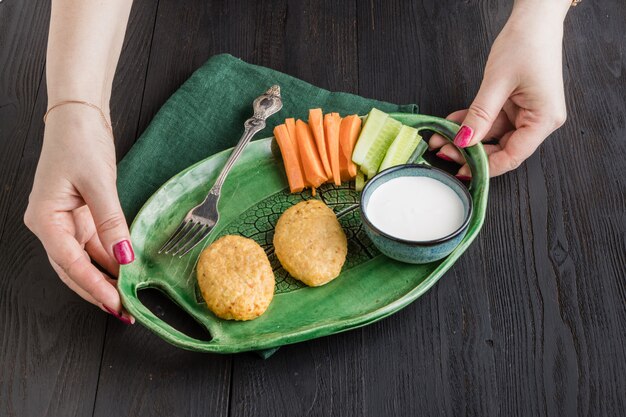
(49, 338)
(529, 322)
(23, 37)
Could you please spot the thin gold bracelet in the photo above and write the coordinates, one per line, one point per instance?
(85, 103)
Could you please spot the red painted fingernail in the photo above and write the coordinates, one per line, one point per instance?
(463, 137)
(463, 177)
(443, 156)
(123, 252)
(117, 315)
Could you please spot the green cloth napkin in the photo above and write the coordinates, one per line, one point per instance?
(206, 115)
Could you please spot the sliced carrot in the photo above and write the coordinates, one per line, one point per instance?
(311, 163)
(343, 168)
(316, 123)
(290, 159)
(332, 121)
(345, 175)
(291, 127)
(348, 135)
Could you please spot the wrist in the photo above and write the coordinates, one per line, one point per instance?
(77, 113)
(91, 92)
(74, 82)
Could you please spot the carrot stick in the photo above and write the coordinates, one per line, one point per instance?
(343, 168)
(291, 127)
(311, 164)
(348, 135)
(332, 121)
(290, 159)
(316, 123)
(343, 161)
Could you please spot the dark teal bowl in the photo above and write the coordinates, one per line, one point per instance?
(409, 251)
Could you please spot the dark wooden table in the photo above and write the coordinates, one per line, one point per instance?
(530, 321)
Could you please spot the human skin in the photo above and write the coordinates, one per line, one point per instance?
(521, 100)
(74, 207)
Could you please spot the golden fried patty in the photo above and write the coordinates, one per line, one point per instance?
(235, 278)
(310, 243)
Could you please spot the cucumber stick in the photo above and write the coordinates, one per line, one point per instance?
(402, 148)
(422, 161)
(359, 181)
(378, 149)
(419, 151)
(372, 127)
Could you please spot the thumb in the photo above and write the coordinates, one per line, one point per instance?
(482, 113)
(104, 204)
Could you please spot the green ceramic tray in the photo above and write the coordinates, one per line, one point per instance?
(370, 287)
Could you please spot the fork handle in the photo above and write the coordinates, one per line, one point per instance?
(251, 127)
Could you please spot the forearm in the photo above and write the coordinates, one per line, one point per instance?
(84, 46)
(553, 10)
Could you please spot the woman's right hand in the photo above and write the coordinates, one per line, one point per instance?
(74, 207)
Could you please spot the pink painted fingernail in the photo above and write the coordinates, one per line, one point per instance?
(463, 137)
(443, 156)
(463, 177)
(123, 252)
(117, 315)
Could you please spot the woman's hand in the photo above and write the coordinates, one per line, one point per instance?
(520, 101)
(74, 208)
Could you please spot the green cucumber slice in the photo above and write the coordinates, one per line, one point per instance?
(422, 147)
(422, 161)
(372, 127)
(402, 148)
(359, 181)
(378, 149)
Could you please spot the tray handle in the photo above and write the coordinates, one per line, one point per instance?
(135, 307)
(448, 130)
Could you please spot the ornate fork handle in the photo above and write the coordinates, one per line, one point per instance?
(264, 106)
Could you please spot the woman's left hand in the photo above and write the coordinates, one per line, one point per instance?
(520, 101)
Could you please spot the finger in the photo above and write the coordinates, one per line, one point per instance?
(450, 153)
(68, 254)
(483, 111)
(104, 204)
(97, 253)
(86, 235)
(502, 142)
(72, 285)
(84, 225)
(125, 317)
(465, 173)
(500, 126)
(436, 141)
(521, 144)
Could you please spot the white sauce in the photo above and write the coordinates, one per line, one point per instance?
(415, 208)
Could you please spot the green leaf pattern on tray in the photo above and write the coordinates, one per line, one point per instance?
(258, 223)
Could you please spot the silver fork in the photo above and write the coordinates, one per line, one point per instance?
(201, 219)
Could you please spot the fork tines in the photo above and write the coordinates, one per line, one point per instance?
(188, 235)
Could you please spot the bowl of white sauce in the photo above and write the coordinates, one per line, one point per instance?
(415, 213)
